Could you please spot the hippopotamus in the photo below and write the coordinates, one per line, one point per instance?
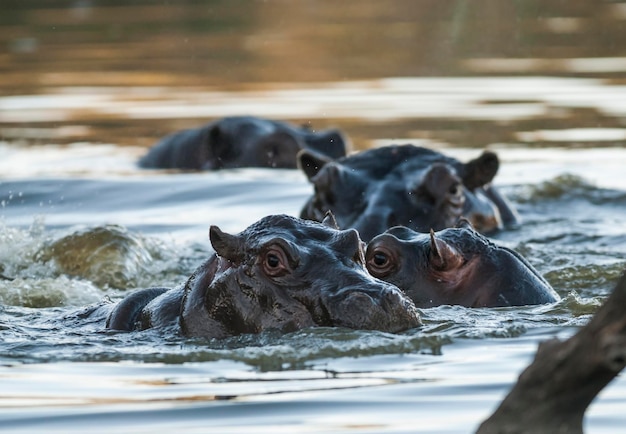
(455, 266)
(405, 185)
(241, 141)
(280, 273)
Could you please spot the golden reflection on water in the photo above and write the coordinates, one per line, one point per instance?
(129, 73)
(471, 111)
(83, 389)
(229, 42)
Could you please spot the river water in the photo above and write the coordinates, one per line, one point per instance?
(87, 88)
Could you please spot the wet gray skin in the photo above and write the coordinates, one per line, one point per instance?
(241, 141)
(280, 273)
(407, 185)
(456, 266)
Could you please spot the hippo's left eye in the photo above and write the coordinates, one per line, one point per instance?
(275, 262)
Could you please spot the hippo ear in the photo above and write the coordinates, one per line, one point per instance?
(227, 246)
(443, 256)
(330, 221)
(328, 142)
(311, 162)
(481, 170)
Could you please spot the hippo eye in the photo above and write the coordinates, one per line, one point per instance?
(380, 262)
(275, 262)
(380, 259)
(272, 261)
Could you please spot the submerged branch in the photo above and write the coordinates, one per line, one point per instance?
(553, 392)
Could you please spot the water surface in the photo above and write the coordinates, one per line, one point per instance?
(86, 88)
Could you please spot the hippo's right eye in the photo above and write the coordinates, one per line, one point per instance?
(379, 261)
(275, 262)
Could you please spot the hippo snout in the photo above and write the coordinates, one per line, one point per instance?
(385, 309)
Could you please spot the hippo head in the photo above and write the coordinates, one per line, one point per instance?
(400, 185)
(241, 141)
(250, 142)
(244, 141)
(455, 266)
(285, 273)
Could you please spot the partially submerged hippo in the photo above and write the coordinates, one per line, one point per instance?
(280, 273)
(404, 185)
(456, 266)
(241, 141)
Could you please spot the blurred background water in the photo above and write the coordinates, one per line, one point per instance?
(86, 86)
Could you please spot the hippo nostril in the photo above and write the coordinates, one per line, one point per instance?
(454, 190)
(391, 298)
(376, 307)
(363, 306)
(455, 199)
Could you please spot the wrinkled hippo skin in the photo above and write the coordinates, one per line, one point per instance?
(405, 185)
(456, 266)
(241, 141)
(280, 273)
